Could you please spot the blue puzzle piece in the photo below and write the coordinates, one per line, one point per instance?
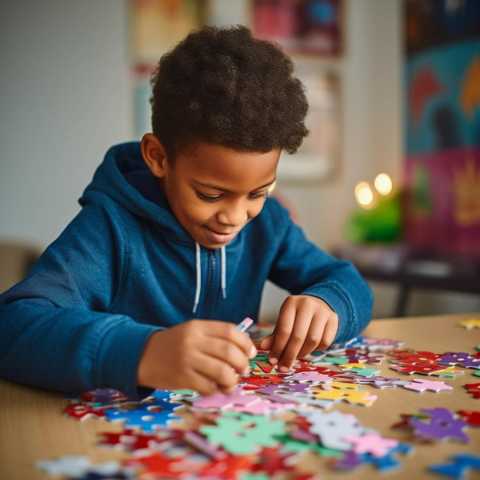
(147, 417)
(162, 395)
(388, 461)
(459, 466)
(101, 476)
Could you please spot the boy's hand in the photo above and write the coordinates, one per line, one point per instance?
(201, 355)
(304, 324)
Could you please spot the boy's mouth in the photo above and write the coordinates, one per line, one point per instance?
(219, 237)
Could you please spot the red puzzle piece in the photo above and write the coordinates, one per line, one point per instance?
(271, 462)
(81, 411)
(473, 389)
(227, 467)
(132, 440)
(472, 417)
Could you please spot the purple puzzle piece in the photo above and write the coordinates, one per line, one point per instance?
(453, 358)
(471, 362)
(441, 425)
(269, 389)
(460, 358)
(349, 461)
(274, 392)
(295, 387)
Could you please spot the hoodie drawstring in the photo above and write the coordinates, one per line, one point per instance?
(224, 273)
(198, 271)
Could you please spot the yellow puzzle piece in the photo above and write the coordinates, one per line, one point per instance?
(470, 323)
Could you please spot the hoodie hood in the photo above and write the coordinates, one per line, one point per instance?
(124, 177)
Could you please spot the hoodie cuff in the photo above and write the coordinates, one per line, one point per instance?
(338, 302)
(119, 354)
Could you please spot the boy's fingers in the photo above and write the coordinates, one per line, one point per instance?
(314, 336)
(330, 331)
(266, 343)
(303, 319)
(226, 352)
(202, 384)
(227, 331)
(216, 371)
(285, 322)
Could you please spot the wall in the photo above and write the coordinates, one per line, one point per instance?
(65, 100)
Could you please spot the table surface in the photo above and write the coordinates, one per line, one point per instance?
(32, 426)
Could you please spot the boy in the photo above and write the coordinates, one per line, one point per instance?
(176, 239)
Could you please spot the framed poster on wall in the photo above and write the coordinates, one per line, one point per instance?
(156, 26)
(310, 27)
(319, 154)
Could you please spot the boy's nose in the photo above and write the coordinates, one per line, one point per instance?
(235, 216)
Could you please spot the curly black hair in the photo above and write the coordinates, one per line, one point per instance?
(222, 86)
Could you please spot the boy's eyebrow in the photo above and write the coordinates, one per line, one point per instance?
(216, 187)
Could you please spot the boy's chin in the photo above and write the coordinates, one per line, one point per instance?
(213, 240)
(212, 246)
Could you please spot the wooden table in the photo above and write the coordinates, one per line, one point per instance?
(32, 426)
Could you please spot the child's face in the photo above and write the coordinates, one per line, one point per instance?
(214, 191)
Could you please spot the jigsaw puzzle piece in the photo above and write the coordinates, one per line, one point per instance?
(458, 466)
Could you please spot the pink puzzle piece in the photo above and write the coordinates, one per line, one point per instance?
(263, 407)
(420, 385)
(372, 443)
(310, 377)
(224, 402)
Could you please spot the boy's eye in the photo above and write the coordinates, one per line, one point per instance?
(255, 195)
(214, 197)
(208, 198)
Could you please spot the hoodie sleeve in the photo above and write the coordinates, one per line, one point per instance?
(55, 329)
(303, 269)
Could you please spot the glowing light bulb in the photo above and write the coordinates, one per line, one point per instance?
(383, 184)
(364, 194)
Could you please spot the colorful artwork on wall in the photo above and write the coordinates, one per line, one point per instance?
(311, 27)
(442, 125)
(156, 26)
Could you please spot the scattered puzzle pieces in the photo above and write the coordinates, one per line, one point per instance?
(271, 418)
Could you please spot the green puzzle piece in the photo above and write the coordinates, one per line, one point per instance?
(241, 433)
(335, 360)
(255, 476)
(261, 357)
(365, 372)
(297, 446)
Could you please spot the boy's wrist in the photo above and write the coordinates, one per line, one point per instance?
(144, 371)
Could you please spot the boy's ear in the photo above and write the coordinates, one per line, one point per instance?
(154, 155)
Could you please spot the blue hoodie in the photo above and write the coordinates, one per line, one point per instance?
(125, 268)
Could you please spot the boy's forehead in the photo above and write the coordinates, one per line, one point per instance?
(227, 167)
